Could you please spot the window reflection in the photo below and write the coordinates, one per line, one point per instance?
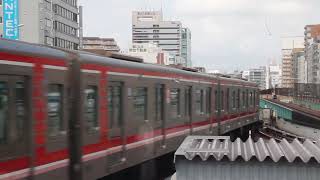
(54, 109)
(20, 108)
(4, 105)
(114, 103)
(91, 107)
(140, 102)
(175, 102)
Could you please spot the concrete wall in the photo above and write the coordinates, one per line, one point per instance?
(30, 17)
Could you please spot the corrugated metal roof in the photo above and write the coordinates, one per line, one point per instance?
(221, 147)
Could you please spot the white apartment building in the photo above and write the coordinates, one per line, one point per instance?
(149, 27)
(258, 75)
(273, 76)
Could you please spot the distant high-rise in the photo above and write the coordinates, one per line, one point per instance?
(149, 27)
(186, 46)
(289, 46)
(258, 75)
(50, 22)
(312, 50)
(299, 66)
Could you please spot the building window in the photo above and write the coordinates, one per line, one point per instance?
(140, 103)
(114, 105)
(55, 109)
(49, 41)
(91, 110)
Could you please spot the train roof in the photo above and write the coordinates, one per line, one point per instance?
(37, 50)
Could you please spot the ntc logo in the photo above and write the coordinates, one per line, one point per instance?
(11, 19)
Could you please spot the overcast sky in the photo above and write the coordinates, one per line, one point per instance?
(226, 34)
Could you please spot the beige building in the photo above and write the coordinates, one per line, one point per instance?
(103, 45)
(290, 45)
(312, 50)
(49, 22)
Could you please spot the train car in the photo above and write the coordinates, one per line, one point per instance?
(74, 114)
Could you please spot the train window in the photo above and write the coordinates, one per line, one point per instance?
(233, 99)
(55, 114)
(175, 102)
(159, 102)
(188, 102)
(247, 98)
(238, 99)
(91, 110)
(216, 99)
(250, 98)
(222, 100)
(114, 105)
(254, 98)
(243, 99)
(199, 101)
(4, 111)
(228, 99)
(208, 97)
(140, 102)
(20, 107)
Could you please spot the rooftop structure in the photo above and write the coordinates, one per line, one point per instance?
(100, 44)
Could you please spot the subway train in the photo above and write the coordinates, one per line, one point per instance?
(72, 114)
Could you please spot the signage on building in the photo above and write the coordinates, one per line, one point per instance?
(10, 19)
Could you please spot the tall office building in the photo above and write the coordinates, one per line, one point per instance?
(312, 50)
(290, 45)
(50, 22)
(149, 27)
(258, 75)
(186, 46)
(273, 75)
(299, 67)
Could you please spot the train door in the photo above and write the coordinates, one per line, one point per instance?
(14, 118)
(115, 93)
(188, 106)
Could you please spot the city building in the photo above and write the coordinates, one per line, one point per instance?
(312, 49)
(150, 53)
(95, 44)
(299, 67)
(258, 75)
(245, 74)
(289, 46)
(149, 27)
(49, 22)
(186, 46)
(273, 75)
